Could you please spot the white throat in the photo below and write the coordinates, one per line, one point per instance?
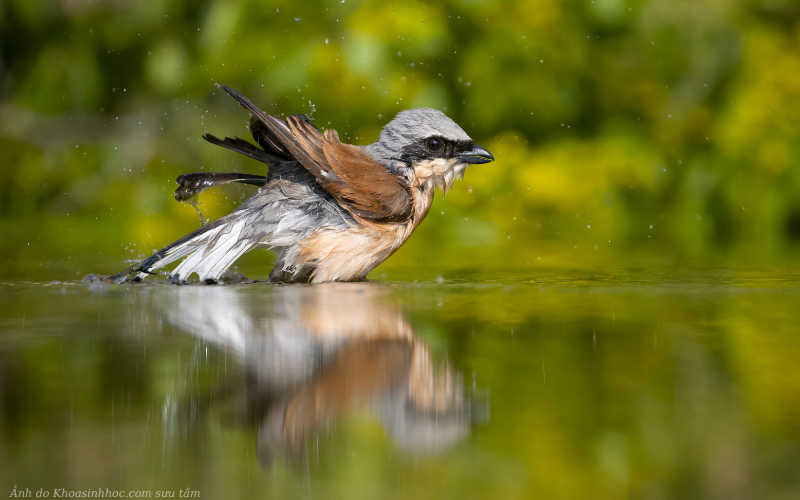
(439, 172)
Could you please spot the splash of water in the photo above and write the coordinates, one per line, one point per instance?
(195, 202)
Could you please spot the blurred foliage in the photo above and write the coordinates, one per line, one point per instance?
(626, 131)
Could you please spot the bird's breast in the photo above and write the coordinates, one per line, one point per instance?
(344, 255)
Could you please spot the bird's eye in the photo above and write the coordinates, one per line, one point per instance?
(434, 144)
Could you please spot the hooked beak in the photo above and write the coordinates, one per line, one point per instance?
(475, 156)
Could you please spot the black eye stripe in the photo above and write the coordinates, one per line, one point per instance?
(419, 150)
(448, 148)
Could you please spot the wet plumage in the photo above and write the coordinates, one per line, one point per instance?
(331, 211)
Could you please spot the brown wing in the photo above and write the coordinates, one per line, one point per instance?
(355, 180)
(351, 175)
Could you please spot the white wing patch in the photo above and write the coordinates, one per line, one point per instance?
(209, 254)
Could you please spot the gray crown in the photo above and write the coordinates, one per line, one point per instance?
(410, 126)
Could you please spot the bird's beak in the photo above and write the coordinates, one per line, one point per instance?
(475, 156)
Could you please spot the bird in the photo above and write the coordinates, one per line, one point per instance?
(331, 211)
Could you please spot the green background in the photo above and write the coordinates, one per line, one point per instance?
(627, 133)
(623, 278)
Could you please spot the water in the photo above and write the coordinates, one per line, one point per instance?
(569, 385)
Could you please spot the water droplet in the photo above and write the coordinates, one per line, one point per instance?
(399, 54)
(297, 19)
(468, 84)
(326, 41)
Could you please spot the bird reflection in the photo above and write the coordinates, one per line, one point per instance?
(313, 354)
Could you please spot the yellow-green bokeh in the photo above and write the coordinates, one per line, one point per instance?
(626, 132)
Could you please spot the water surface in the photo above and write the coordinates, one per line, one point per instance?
(560, 384)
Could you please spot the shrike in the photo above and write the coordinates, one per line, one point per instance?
(332, 211)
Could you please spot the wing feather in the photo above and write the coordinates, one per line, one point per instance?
(243, 147)
(355, 179)
(193, 184)
(277, 127)
(266, 139)
(364, 185)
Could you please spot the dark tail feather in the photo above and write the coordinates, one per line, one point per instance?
(243, 147)
(192, 184)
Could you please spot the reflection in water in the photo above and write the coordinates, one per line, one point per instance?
(317, 353)
(659, 388)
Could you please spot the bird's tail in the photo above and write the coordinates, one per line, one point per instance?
(209, 251)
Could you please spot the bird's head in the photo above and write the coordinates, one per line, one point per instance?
(429, 143)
